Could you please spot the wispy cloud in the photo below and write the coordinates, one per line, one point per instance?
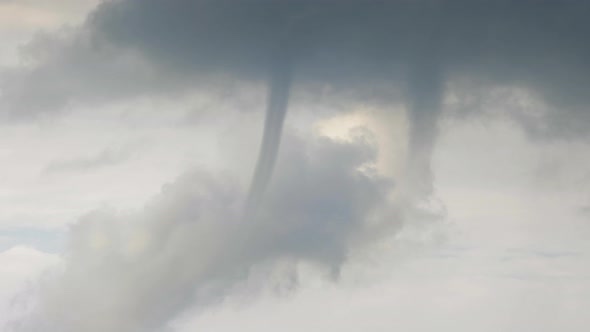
(105, 158)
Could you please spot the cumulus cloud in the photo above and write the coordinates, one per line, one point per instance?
(191, 245)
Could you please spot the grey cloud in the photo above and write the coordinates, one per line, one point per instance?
(106, 157)
(190, 244)
(323, 202)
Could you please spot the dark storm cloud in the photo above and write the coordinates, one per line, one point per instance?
(530, 41)
(130, 48)
(537, 44)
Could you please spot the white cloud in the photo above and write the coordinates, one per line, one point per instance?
(20, 267)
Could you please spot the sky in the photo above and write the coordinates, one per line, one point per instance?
(294, 165)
